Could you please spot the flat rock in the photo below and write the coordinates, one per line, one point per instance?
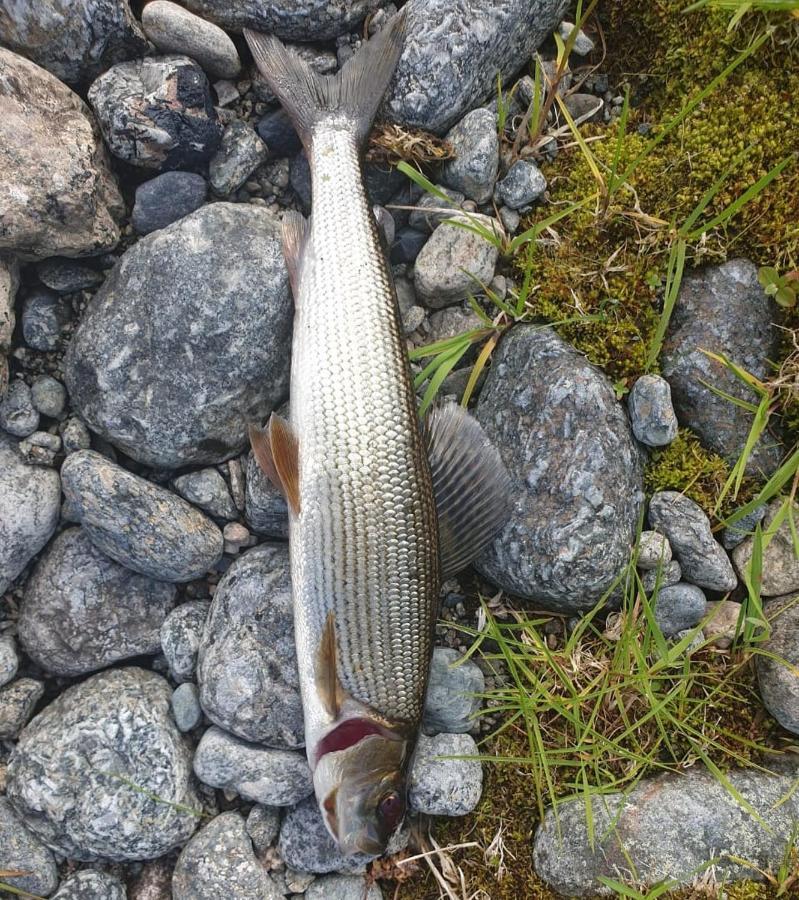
(779, 685)
(722, 309)
(271, 777)
(445, 787)
(452, 690)
(651, 411)
(574, 514)
(66, 276)
(679, 607)
(103, 773)
(211, 294)
(82, 611)
(476, 145)
(266, 510)
(9, 659)
(24, 852)
(343, 887)
(523, 184)
(239, 155)
(17, 701)
(166, 198)
(305, 845)
(247, 666)
(780, 573)
(57, 194)
(208, 490)
(91, 884)
(138, 524)
(181, 634)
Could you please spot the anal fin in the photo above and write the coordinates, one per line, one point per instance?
(275, 448)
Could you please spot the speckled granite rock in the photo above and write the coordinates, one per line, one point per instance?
(476, 145)
(17, 701)
(780, 565)
(208, 490)
(343, 887)
(181, 634)
(24, 852)
(239, 155)
(89, 884)
(9, 659)
(445, 787)
(9, 282)
(779, 686)
(266, 511)
(679, 607)
(651, 411)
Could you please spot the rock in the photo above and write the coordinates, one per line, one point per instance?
(208, 490)
(433, 90)
(343, 887)
(271, 777)
(70, 773)
(445, 787)
(669, 827)
(9, 282)
(166, 198)
(236, 536)
(263, 825)
(44, 318)
(574, 514)
(452, 321)
(722, 623)
(90, 884)
(24, 852)
(430, 211)
(734, 534)
(30, 498)
(226, 92)
(82, 611)
(651, 412)
(175, 30)
(279, 135)
(9, 660)
(266, 511)
(73, 39)
(653, 551)
(476, 144)
(210, 291)
(138, 524)
(74, 435)
(408, 242)
(40, 448)
(779, 684)
(679, 607)
(305, 845)
(701, 557)
(523, 185)
(583, 45)
(18, 415)
(57, 194)
(722, 309)
(583, 107)
(181, 634)
(49, 396)
(780, 574)
(186, 706)
(454, 262)
(239, 155)
(247, 666)
(157, 112)
(219, 862)
(451, 699)
(17, 700)
(661, 577)
(66, 276)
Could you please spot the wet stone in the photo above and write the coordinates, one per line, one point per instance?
(430, 211)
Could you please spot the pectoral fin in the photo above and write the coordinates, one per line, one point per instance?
(295, 230)
(275, 448)
(328, 685)
(471, 485)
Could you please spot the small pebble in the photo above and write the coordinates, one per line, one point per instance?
(722, 622)
(17, 414)
(740, 530)
(653, 550)
(48, 396)
(66, 276)
(523, 185)
(239, 155)
(665, 577)
(186, 706)
(452, 695)
(17, 701)
(74, 435)
(407, 244)
(343, 887)
(44, 318)
(166, 198)
(279, 135)
(181, 633)
(679, 607)
(226, 92)
(263, 825)
(208, 490)
(445, 787)
(652, 415)
(583, 45)
(40, 448)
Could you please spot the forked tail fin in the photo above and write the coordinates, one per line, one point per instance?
(352, 94)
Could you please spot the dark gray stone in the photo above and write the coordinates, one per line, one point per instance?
(181, 634)
(476, 144)
(523, 185)
(9, 660)
(451, 700)
(722, 309)
(574, 514)
(44, 317)
(305, 844)
(208, 490)
(271, 777)
(779, 684)
(266, 510)
(211, 294)
(17, 701)
(583, 107)
(279, 135)
(157, 112)
(166, 198)
(445, 787)
(343, 887)
(138, 524)
(102, 772)
(90, 884)
(49, 396)
(18, 416)
(239, 155)
(24, 852)
(263, 825)
(65, 276)
(219, 862)
(734, 534)
(247, 666)
(430, 211)
(186, 706)
(651, 412)
(701, 557)
(407, 244)
(679, 607)
(82, 611)
(780, 573)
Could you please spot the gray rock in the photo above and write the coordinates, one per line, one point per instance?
(451, 700)
(722, 624)
(175, 30)
(476, 144)
(74, 435)
(734, 534)
(523, 185)
(271, 777)
(82, 611)
(722, 309)
(306, 846)
(779, 684)
(583, 107)
(24, 852)
(44, 317)
(454, 262)
(49, 396)
(186, 706)
(668, 828)
(157, 112)
(407, 245)
(138, 524)
(208, 490)
(343, 887)
(651, 412)
(9, 660)
(701, 557)
(91, 884)
(18, 416)
(17, 701)
(166, 198)
(181, 634)
(247, 666)
(574, 514)
(679, 607)
(219, 862)
(654, 551)
(452, 321)
(445, 787)
(66, 276)
(57, 194)
(583, 45)
(40, 448)
(210, 291)
(278, 133)
(430, 211)
(263, 825)
(662, 577)
(780, 573)
(239, 155)
(102, 772)
(30, 497)
(9, 282)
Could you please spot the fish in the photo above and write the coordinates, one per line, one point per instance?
(382, 505)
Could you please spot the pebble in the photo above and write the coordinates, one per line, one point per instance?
(91, 884)
(679, 607)
(208, 490)
(239, 155)
(780, 571)
(583, 45)
(44, 318)
(9, 659)
(583, 107)
(277, 132)
(74, 435)
(343, 887)
(510, 219)
(661, 577)
(226, 92)
(445, 787)
(17, 701)
(408, 242)
(166, 198)
(18, 415)
(412, 319)
(734, 534)
(452, 693)
(722, 623)
(66, 276)
(40, 448)
(651, 412)
(266, 511)
(452, 321)
(24, 852)
(476, 145)
(154, 881)
(181, 635)
(654, 551)
(263, 825)
(48, 396)
(186, 706)
(523, 185)
(777, 675)
(430, 211)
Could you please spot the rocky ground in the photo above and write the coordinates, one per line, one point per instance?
(150, 719)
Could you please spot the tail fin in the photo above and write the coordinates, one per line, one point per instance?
(354, 92)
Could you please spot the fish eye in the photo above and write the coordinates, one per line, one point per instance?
(391, 809)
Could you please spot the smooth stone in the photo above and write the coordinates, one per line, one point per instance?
(583, 107)
(90, 884)
(343, 887)
(166, 198)
(44, 318)
(574, 514)
(522, 185)
(679, 607)
(49, 396)
(780, 571)
(445, 787)
(58, 196)
(208, 490)
(661, 577)
(271, 777)
(407, 245)
(239, 155)
(430, 211)
(277, 132)
(476, 144)
(722, 623)
(219, 862)
(24, 852)
(17, 701)
(174, 29)
(583, 45)
(263, 826)
(82, 611)
(18, 416)
(701, 557)
(736, 533)
(651, 412)
(654, 551)
(66, 276)
(452, 693)
(9, 659)
(69, 775)
(266, 511)
(247, 662)
(138, 524)
(186, 706)
(779, 684)
(181, 635)
(452, 321)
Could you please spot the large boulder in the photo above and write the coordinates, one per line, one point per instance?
(188, 340)
(57, 194)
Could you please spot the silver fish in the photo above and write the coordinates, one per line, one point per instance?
(381, 505)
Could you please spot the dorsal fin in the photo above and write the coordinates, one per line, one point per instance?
(328, 685)
(275, 449)
(471, 485)
(295, 229)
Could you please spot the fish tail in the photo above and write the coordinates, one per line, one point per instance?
(353, 93)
